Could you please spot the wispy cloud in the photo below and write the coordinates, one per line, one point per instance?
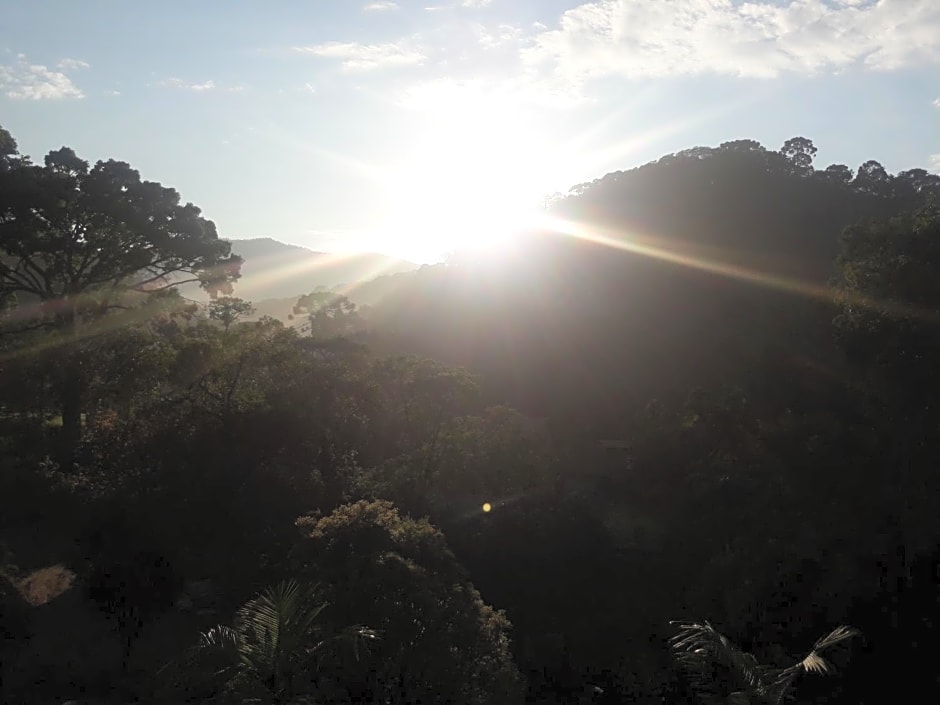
(25, 81)
(367, 57)
(933, 163)
(761, 38)
(204, 87)
(936, 103)
(498, 36)
(380, 6)
(476, 3)
(174, 82)
(72, 65)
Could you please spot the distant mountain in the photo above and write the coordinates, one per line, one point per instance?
(276, 270)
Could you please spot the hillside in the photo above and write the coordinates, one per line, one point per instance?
(682, 272)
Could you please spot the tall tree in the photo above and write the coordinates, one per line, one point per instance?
(79, 241)
(228, 309)
(873, 178)
(440, 642)
(799, 151)
(329, 315)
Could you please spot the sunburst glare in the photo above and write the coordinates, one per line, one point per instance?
(477, 175)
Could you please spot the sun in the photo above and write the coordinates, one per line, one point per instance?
(474, 177)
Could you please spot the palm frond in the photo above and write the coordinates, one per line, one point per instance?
(276, 636)
(219, 637)
(814, 663)
(715, 665)
(277, 627)
(358, 636)
(217, 650)
(836, 636)
(708, 656)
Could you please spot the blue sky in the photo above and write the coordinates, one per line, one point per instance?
(411, 127)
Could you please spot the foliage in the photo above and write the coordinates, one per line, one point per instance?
(328, 315)
(440, 641)
(721, 673)
(74, 235)
(276, 640)
(495, 457)
(886, 278)
(228, 309)
(78, 242)
(889, 300)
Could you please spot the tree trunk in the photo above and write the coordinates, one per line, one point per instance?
(71, 391)
(71, 407)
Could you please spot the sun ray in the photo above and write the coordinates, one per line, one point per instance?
(656, 248)
(304, 265)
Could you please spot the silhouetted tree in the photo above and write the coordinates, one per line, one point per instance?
(77, 242)
(799, 151)
(228, 309)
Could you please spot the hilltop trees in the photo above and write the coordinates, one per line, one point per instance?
(8, 148)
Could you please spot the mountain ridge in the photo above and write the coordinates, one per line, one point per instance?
(273, 269)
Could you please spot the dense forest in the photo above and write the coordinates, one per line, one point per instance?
(680, 433)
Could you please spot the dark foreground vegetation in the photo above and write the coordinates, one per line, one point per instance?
(709, 393)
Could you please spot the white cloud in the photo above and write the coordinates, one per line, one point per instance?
(476, 3)
(760, 38)
(72, 65)
(933, 163)
(367, 57)
(380, 6)
(25, 81)
(936, 103)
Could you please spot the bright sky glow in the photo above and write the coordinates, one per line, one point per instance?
(413, 128)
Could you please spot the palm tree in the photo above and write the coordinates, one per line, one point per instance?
(722, 674)
(275, 640)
